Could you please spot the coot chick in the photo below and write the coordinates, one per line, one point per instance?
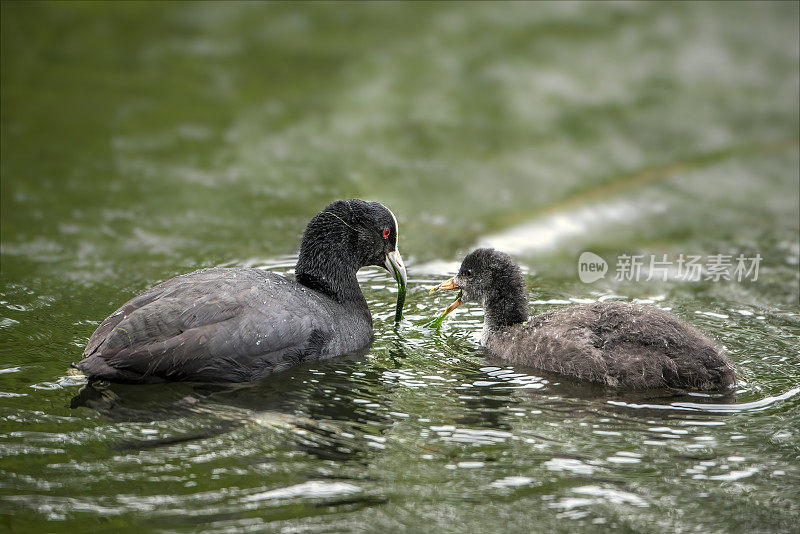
(613, 343)
(238, 325)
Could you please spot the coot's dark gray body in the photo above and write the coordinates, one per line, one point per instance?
(613, 343)
(236, 325)
(228, 325)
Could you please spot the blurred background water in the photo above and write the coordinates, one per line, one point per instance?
(144, 140)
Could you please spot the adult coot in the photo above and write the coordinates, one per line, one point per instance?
(613, 343)
(236, 325)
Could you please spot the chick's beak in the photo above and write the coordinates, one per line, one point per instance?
(394, 264)
(449, 285)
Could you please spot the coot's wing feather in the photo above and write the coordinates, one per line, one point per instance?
(221, 325)
(106, 327)
(180, 285)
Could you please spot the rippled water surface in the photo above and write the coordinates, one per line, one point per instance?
(142, 141)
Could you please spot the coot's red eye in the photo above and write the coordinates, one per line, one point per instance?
(386, 233)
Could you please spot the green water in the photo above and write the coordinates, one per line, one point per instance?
(140, 141)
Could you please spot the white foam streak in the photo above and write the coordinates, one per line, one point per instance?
(547, 232)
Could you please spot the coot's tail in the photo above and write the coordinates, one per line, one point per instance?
(96, 368)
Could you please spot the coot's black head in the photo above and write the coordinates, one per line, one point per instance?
(348, 235)
(494, 280)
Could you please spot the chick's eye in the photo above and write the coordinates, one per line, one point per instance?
(468, 272)
(386, 233)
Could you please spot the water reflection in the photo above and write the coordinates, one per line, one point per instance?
(712, 406)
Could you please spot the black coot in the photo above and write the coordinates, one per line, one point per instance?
(613, 343)
(236, 325)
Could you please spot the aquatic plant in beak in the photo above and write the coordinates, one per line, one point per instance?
(394, 264)
(449, 285)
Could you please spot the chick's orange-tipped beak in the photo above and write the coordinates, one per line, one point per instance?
(452, 307)
(449, 285)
